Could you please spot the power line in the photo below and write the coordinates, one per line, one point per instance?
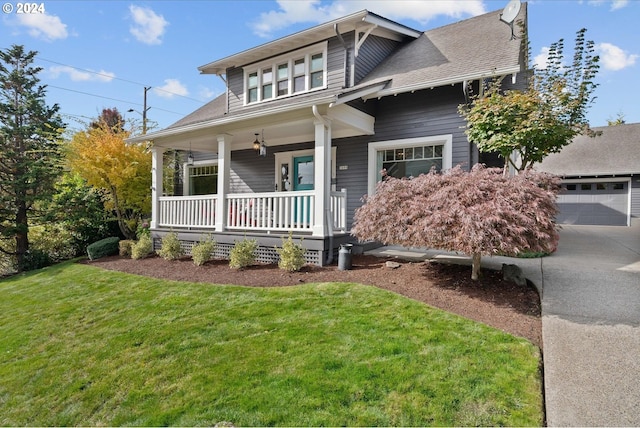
(112, 99)
(119, 78)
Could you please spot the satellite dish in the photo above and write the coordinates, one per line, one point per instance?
(510, 11)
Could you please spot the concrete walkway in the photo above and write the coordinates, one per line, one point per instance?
(590, 322)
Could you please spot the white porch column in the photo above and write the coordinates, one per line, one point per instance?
(156, 183)
(224, 173)
(322, 175)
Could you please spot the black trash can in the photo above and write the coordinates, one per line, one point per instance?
(344, 256)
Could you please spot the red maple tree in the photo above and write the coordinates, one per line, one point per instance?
(477, 212)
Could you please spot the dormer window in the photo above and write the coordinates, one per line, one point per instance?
(302, 71)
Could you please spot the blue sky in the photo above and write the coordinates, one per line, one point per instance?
(99, 54)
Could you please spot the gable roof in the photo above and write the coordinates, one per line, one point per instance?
(383, 27)
(475, 48)
(615, 152)
(472, 49)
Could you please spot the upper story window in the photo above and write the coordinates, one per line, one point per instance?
(303, 71)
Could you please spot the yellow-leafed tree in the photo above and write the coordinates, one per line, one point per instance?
(122, 171)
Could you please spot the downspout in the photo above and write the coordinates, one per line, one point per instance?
(226, 104)
(466, 89)
(327, 210)
(346, 71)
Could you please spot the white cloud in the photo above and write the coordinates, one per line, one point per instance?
(299, 11)
(81, 75)
(43, 26)
(615, 4)
(171, 88)
(613, 58)
(540, 60)
(148, 27)
(619, 4)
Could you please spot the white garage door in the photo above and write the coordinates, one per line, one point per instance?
(596, 203)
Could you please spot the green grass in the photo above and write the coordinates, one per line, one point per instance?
(84, 346)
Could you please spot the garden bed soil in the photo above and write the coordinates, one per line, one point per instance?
(490, 300)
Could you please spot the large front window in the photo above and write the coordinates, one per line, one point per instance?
(303, 71)
(408, 157)
(410, 161)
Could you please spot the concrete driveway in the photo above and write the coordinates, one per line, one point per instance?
(591, 327)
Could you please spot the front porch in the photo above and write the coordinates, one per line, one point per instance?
(266, 217)
(226, 190)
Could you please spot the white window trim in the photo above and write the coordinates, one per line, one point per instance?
(374, 148)
(288, 58)
(287, 157)
(187, 177)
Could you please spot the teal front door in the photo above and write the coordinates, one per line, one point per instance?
(302, 180)
(303, 173)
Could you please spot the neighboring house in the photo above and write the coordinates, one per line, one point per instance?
(601, 177)
(308, 121)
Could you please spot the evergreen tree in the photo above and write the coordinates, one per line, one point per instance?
(30, 152)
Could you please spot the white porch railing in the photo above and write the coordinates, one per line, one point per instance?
(280, 211)
(187, 211)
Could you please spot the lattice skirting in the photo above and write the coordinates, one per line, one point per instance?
(263, 254)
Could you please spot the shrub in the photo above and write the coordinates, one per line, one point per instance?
(126, 245)
(104, 247)
(54, 239)
(202, 251)
(291, 255)
(243, 253)
(34, 259)
(171, 248)
(142, 248)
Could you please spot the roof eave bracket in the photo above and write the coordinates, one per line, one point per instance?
(361, 37)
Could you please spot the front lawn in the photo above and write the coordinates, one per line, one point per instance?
(83, 346)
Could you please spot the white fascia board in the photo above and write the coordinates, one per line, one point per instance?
(260, 113)
(391, 25)
(360, 93)
(442, 82)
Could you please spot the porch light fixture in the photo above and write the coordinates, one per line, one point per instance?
(190, 159)
(260, 147)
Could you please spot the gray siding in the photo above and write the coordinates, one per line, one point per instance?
(235, 80)
(352, 153)
(373, 51)
(336, 71)
(425, 113)
(635, 196)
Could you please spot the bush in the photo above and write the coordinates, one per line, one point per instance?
(104, 247)
(34, 259)
(291, 255)
(55, 240)
(142, 248)
(171, 248)
(202, 251)
(126, 245)
(243, 253)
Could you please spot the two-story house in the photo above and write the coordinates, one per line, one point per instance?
(308, 121)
